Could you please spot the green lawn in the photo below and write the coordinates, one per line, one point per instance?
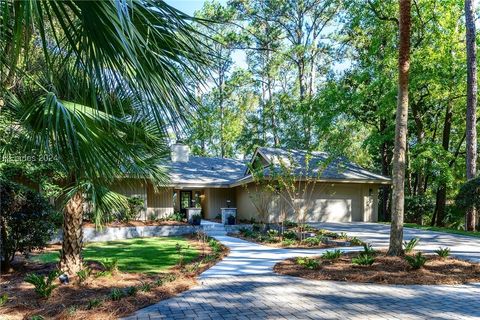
(475, 234)
(145, 255)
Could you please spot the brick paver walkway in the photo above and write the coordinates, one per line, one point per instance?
(243, 286)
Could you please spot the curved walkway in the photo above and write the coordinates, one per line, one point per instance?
(243, 286)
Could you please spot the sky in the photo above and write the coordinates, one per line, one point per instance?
(190, 6)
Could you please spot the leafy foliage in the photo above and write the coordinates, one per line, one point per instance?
(418, 207)
(368, 250)
(94, 303)
(110, 266)
(410, 245)
(354, 241)
(135, 206)
(26, 218)
(43, 284)
(215, 246)
(363, 259)
(469, 195)
(417, 261)
(3, 299)
(117, 294)
(84, 274)
(443, 252)
(332, 254)
(308, 263)
(313, 241)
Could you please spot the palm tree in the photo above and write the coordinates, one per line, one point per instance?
(398, 201)
(99, 60)
(471, 133)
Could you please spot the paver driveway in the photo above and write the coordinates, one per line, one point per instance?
(243, 286)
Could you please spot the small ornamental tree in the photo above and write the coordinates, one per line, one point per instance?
(26, 221)
(260, 192)
(293, 179)
(468, 197)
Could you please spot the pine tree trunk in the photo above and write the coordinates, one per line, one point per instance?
(440, 203)
(471, 103)
(399, 156)
(385, 190)
(71, 257)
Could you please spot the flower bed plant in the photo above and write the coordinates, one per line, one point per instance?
(376, 267)
(292, 235)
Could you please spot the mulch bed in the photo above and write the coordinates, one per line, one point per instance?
(296, 245)
(72, 301)
(386, 270)
(137, 223)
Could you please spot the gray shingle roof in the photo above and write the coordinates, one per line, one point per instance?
(206, 171)
(203, 171)
(320, 165)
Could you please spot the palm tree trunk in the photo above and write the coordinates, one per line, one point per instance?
(399, 156)
(71, 256)
(471, 103)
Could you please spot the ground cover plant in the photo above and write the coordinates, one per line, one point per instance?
(117, 278)
(377, 267)
(293, 235)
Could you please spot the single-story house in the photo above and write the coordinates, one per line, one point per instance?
(337, 190)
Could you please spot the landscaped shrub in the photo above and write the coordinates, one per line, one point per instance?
(354, 241)
(3, 299)
(110, 266)
(410, 245)
(27, 221)
(332, 254)
(288, 242)
(290, 224)
(116, 294)
(368, 250)
(257, 227)
(94, 303)
(330, 234)
(272, 233)
(215, 246)
(130, 291)
(289, 235)
(443, 252)
(177, 216)
(363, 259)
(247, 233)
(312, 241)
(84, 274)
(308, 263)
(417, 261)
(43, 285)
(343, 235)
(135, 206)
(306, 227)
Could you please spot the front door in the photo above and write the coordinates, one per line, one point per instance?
(185, 201)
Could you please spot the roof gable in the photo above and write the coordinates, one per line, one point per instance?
(316, 164)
